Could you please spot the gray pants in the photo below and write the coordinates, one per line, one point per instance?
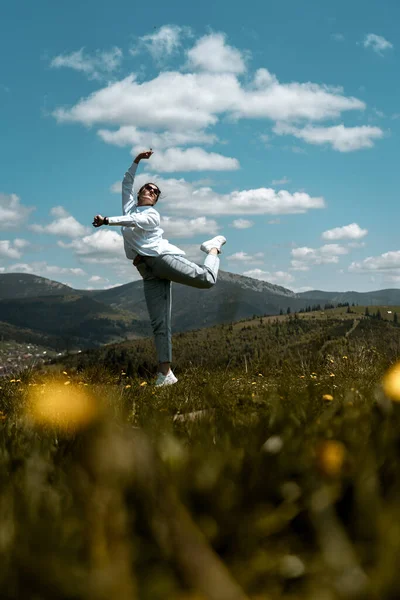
(158, 272)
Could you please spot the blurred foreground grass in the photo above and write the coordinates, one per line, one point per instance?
(234, 483)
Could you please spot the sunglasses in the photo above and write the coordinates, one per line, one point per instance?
(151, 189)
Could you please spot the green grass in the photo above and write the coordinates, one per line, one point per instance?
(294, 495)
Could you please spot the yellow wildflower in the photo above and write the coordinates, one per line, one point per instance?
(327, 397)
(67, 409)
(330, 456)
(67, 382)
(391, 383)
(344, 357)
(332, 375)
(65, 373)
(143, 383)
(128, 386)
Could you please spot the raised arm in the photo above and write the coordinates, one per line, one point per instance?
(128, 199)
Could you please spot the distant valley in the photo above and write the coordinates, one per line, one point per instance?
(37, 310)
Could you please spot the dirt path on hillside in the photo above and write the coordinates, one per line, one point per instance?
(346, 335)
(355, 324)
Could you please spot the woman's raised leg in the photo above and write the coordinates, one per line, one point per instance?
(181, 270)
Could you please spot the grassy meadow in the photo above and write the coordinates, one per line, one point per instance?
(271, 470)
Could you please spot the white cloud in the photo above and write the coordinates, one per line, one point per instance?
(242, 224)
(179, 195)
(246, 258)
(127, 102)
(13, 214)
(296, 149)
(59, 212)
(384, 262)
(116, 187)
(163, 43)
(278, 277)
(356, 244)
(192, 159)
(377, 43)
(196, 100)
(64, 225)
(103, 246)
(251, 202)
(186, 228)
(212, 53)
(349, 232)
(19, 243)
(338, 37)
(129, 112)
(341, 138)
(12, 248)
(392, 278)
(130, 135)
(96, 66)
(266, 97)
(298, 265)
(281, 181)
(113, 285)
(98, 279)
(304, 257)
(274, 222)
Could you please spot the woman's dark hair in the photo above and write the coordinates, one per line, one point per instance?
(150, 183)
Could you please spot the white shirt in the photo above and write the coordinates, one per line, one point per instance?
(140, 224)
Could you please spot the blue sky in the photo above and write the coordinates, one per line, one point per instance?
(276, 126)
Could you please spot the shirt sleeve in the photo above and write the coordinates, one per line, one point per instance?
(128, 200)
(147, 220)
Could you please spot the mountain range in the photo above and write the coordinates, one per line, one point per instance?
(39, 310)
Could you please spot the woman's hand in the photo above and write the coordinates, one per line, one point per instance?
(98, 221)
(143, 155)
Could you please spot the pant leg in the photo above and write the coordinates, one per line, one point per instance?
(157, 293)
(181, 270)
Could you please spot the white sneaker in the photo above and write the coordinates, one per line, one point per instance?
(216, 242)
(168, 379)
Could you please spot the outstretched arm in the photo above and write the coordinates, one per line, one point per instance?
(128, 199)
(148, 220)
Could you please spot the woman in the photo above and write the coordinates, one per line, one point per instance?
(158, 261)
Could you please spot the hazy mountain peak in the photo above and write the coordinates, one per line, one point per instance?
(256, 285)
(26, 285)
